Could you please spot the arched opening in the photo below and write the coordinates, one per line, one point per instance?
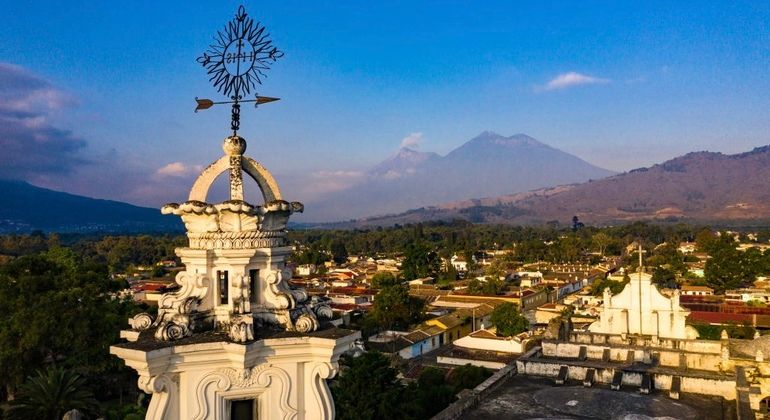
(219, 190)
(250, 168)
(764, 405)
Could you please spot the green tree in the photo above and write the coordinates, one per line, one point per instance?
(669, 257)
(339, 251)
(367, 388)
(664, 277)
(725, 269)
(470, 261)
(310, 255)
(601, 241)
(121, 252)
(529, 251)
(714, 332)
(48, 395)
(447, 276)
(62, 313)
(394, 308)
(136, 411)
(468, 377)
(18, 245)
(508, 320)
(384, 279)
(705, 239)
(597, 288)
(567, 249)
(492, 286)
(753, 263)
(419, 261)
(432, 393)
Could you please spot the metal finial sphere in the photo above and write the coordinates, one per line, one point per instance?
(234, 146)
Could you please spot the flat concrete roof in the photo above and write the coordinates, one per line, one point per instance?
(526, 397)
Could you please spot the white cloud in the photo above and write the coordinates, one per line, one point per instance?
(412, 140)
(178, 169)
(571, 79)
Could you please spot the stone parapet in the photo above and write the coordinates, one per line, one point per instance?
(469, 398)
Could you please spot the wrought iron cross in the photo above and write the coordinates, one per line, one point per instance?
(236, 62)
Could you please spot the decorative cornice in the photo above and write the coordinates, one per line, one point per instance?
(237, 243)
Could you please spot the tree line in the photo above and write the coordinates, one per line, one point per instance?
(549, 243)
(61, 316)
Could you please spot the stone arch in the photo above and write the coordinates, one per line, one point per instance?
(200, 189)
(263, 178)
(257, 172)
(764, 405)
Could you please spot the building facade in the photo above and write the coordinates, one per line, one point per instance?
(641, 309)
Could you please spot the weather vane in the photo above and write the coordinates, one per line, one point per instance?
(236, 62)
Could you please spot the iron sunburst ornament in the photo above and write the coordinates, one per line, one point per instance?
(237, 62)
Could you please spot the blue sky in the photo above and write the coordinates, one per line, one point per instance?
(620, 84)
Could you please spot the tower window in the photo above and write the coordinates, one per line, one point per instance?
(224, 288)
(254, 285)
(243, 410)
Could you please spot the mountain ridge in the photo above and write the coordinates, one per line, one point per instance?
(488, 164)
(27, 208)
(697, 186)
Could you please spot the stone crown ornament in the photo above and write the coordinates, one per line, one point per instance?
(235, 223)
(240, 278)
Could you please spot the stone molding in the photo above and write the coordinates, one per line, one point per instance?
(198, 242)
(323, 311)
(320, 372)
(174, 309)
(278, 292)
(215, 387)
(141, 322)
(164, 389)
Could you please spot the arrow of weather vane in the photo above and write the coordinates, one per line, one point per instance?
(208, 103)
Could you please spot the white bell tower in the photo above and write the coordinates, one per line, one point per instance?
(235, 341)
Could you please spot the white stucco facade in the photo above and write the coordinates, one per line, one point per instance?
(641, 309)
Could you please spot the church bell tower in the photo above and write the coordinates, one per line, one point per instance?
(235, 341)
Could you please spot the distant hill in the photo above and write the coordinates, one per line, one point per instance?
(24, 208)
(487, 165)
(700, 186)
